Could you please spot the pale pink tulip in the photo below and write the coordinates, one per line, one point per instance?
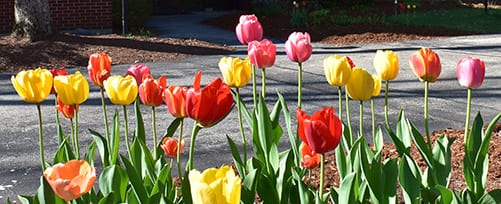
(249, 29)
(470, 72)
(298, 47)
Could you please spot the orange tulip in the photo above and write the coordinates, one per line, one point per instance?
(175, 98)
(151, 90)
(169, 145)
(71, 180)
(68, 111)
(425, 64)
(309, 159)
(99, 68)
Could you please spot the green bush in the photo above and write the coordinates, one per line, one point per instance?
(138, 12)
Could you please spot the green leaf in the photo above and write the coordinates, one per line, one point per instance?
(421, 145)
(493, 196)
(378, 141)
(115, 180)
(390, 175)
(410, 179)
(442, 160)
(264, 125)
(135, 181)
(109, 198)
(305, 195)
(236, 157)
(45, 195)
(346, 191)
(343, 165)
(249, 187)
(64, 152)
(90, 155)
(403, 134)
(293, 138)
(275, 119)
(447, 196)
(172, 128)
(102, 146)
(267, 190)
(273, 158)
(114, 145)
(244, 109)
(164, 181)
(139, 131)
(334, 196)
(186, 189)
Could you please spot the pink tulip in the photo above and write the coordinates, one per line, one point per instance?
(470, 72)
(298, 47)
(262, 54)
(426, 65)
(138, 71)
(249, 29)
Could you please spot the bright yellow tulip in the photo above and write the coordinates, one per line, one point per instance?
(72, 89)
(236, 72)
(337, 70)
(377, 85)
(215, 186)
(121, 90)
(386, 64)
(33, 85)
(361, 85)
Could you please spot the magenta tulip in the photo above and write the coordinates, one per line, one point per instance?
(470, 72)
(138, 71)
(262, 54)
(298, 47)
(249, 29)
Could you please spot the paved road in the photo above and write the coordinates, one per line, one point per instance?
(19, 160)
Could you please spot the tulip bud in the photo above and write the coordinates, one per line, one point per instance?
(262, 54)
(298, 47)
(361, 85)
(337, 70)
(470, 72)
(425, 64)
(386, 64)
(249, 29)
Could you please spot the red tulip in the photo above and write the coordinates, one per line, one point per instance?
(99, 68)
(425, 64)
(352, 65)
(262, 54)
(138, 71)
(169, 145)
(151, 90)
(57, 72)
(249, 29)
(298, 47)
(68, 111)
(470, 72)
(209, 105)
(309, 159)
(321, 132)
(175, 98)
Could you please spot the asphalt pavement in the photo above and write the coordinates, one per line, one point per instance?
(19, 157)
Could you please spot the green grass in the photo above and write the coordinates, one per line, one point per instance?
(462, 19)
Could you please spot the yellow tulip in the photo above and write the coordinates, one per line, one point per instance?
(361, 85)
(386, 64)
(72, 89)
(33, 86)
(236, 72)
(121, 90)
(377, 85)
(215, 186)
(337, 70)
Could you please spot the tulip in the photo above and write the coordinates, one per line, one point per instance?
(170, 145)
(308, 158)
(470, 72)
(33, 86)
(386, 64)
(138, 71)
(426, 65)
(249, 29)
(377, 85)
(99, 68)
(68, 111)
(57, 72)
(337, 70)
(298, 47)
(72, 89)
(121, 90)
(361, 85)
(175, 99)
(215, 186)
(151, 90)
(71, 180)
(236, 72)
(262, 54)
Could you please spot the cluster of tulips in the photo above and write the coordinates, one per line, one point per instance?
(144, 174)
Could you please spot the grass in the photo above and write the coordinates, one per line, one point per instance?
(468, 19)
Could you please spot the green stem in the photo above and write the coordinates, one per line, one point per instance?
(427, 130)
(126, 130)
(58, 123)
(40, 137)
(361, 119)
(467, 122)
(349, 139)
(322, 175)
(73, 142)
(178, 158)
(263, 83)
(77, 149)
(244, 140)
(154, 126)
(386, 104)
(254, 89)
(299, 84)
(373, 118)
(103, 104)
(194, 133)
(340, 101)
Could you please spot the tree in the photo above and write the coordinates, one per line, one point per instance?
(32, 18)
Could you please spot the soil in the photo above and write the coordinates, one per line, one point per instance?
(73, 51)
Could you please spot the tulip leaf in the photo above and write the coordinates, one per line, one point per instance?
(273, 157)
(378, 141)
(164, 181)
(401, 133)
(446, 195)
(244, 109)
(342, 163)
(109, 198)
(186, 189)
(64, 152)
(114, 179)
(114, 145)
(139, 131)
(346, 193)
(249, 187)
(256, 140)
(493, 196)
(45, 194)
(135, 181)
(267, 190)
(421, 145)
(147, 161)
(236, 158)
(304, 194)
(102, 146)
(90, 155)
(293, 138)
(442, 160)
(172, 128)
(410, 179)
(136, 157)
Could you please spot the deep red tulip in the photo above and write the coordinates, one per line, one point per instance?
(309, 159)
(298, 47)
(99, 68)
(175, 98)
(470, 72)
(350, 62)
(169, 145)
(138, 71)
(68, 111)
(249, 29)
(209, 105)
(57, 72)
(262, 54)
(321, 132)
(151, 90)
(426, 65)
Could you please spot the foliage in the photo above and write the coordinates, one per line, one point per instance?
(138, 12)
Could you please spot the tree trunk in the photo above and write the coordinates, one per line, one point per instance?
(33, 20)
